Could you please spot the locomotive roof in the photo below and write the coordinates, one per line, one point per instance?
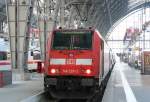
(76, 30)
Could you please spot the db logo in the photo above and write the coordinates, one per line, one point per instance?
(70, 61)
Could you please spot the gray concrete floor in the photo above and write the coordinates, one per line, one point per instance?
(21, 90)
(126, 84)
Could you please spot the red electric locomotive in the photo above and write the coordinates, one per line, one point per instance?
(77, 62)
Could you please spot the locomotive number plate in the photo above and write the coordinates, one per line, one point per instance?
(70, 71)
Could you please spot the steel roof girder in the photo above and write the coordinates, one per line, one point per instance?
(92, 8)
(94, 16)
(121, 5)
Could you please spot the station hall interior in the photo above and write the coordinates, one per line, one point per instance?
(74, 50)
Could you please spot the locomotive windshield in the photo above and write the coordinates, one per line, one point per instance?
(72, 40)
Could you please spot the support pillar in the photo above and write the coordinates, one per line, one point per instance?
(17, 12)
(47, 24)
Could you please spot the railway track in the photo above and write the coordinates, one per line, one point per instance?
(45, 97)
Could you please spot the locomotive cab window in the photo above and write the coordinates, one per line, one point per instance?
(72, 41)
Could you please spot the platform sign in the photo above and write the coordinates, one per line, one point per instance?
(146, 62)
(147, 59)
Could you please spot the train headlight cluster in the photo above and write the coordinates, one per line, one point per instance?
(54, 71)
(88, 71)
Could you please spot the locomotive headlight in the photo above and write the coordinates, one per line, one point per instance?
(53, 71)
(88, 71)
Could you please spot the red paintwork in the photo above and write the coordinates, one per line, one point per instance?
(5, 62)
(72, 69)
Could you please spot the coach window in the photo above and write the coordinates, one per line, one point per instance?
(3, 55)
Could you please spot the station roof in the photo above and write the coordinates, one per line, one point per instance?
(108, 12)
(104, 13)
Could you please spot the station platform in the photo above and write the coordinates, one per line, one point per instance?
(126, 84)
(20, 90)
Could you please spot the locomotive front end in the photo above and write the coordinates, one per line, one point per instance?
(71, 64)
